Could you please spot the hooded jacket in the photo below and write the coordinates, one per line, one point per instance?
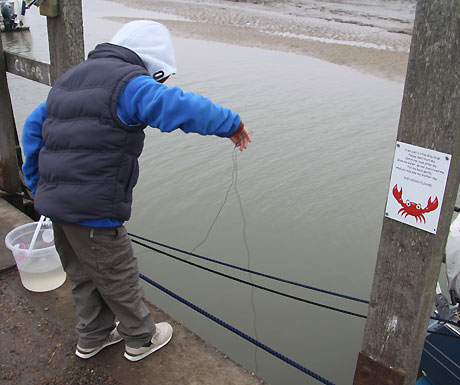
(81, 146)
(88, 166)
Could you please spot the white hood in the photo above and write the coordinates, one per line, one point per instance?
(152, 42)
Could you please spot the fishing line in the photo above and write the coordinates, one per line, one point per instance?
(254, 318)
(220, 210)
(234, 185)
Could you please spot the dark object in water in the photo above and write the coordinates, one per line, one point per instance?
(9, 17)
(12, 15)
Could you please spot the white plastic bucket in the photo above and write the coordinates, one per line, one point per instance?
(40, 268)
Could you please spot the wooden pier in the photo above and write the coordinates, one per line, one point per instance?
(38, 329)
(38, 337)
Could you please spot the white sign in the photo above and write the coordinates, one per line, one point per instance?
(417, 185)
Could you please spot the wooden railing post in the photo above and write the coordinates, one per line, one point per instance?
(66, 47)
(65, 38)
(409, 258)
(9, 145)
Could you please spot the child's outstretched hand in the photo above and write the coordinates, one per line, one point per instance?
(241, 137)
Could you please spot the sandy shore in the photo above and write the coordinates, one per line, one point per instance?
(366, 48)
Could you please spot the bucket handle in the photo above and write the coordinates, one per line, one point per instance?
(34, 238)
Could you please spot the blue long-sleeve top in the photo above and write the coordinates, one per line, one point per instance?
(143, 100)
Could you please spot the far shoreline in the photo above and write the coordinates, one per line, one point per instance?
(382, 63)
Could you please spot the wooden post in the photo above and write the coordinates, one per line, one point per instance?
(9, 166)
(66, 46)
(65, 38)
(409, 259)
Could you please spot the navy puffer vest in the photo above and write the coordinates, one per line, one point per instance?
(89, 163)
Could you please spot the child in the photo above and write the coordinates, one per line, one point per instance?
(81, 151)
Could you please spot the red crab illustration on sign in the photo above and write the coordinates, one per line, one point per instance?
(412, 208)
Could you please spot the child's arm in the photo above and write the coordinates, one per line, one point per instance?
(146, 101)
(32, 142)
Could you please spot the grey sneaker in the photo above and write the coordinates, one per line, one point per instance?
(162, 336)
(113, 338)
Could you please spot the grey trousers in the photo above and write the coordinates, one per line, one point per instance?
(103, 269)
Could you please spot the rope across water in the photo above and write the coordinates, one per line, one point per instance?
(239, 332)
(252, 284)
(266, 276)
(250, 271)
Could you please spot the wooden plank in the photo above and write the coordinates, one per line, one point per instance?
(409, 259)
(28, 68)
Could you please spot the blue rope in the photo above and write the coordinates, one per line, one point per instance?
(238, 332)
(252, 271)
(436, 318)
(250, 283)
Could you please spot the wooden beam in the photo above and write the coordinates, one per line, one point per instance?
(409, 259)
(28, 68)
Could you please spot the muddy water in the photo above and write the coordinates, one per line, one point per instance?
(312, 186)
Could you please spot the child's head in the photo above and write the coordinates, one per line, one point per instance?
(152, 42)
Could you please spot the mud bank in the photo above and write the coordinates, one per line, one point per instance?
(366, 47)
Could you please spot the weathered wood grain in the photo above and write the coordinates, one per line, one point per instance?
(65, 38)
(409, 259)
(9, 165)
(28, 68)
